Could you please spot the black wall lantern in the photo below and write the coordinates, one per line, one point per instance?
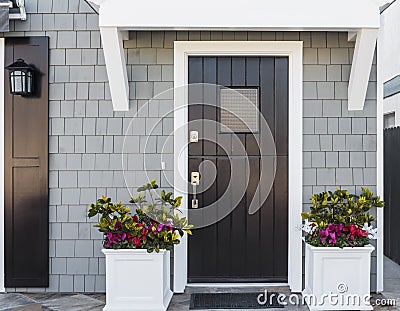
(21, 78)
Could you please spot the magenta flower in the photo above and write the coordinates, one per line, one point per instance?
(160, 227)
(331, 232)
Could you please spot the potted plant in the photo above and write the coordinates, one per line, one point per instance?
(338, 250)
(136, 247)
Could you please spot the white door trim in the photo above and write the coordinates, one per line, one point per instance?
(379, 169)
(292, 49)
(2, 258)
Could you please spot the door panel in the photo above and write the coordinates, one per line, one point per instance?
(26, 171)
(240, 247)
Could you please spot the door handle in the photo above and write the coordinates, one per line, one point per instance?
(195, 181)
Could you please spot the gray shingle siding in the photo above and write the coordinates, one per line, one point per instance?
(86, 136)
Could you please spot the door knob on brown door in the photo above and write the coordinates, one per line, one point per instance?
(195, 181)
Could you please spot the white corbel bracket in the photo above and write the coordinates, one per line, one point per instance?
(114, 55)
(361, 67)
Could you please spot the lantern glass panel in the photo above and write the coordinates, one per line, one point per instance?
(17, 78)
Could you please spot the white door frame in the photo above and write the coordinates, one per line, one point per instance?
(2, 258)
(292, 49)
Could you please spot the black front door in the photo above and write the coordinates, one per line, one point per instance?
(242, 246)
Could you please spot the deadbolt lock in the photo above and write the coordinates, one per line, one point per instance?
(194, 136)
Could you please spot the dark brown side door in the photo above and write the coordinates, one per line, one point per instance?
(241, 247)
(26, 170)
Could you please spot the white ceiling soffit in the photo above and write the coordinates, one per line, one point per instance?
(235, 14)
(360, 18)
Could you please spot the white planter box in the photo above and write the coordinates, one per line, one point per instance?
(137, 280)
(335, 272)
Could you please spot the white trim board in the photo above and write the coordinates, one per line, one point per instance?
(292, 49)
(379, 168)
(2, 59)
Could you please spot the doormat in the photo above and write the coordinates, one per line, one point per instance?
(204, 301)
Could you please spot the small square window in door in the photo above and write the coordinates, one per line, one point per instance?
(239, 110)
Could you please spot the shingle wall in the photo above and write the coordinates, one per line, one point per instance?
(86, 136)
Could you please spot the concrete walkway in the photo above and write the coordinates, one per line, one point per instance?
(392, 282)
(81, 302)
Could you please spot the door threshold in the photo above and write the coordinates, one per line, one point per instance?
(226, 285)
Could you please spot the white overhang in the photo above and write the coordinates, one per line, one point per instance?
(360, 18)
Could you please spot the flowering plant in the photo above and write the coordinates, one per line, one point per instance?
(341, 219)
(155, 225)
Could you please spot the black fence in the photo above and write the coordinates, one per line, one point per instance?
(392, 193)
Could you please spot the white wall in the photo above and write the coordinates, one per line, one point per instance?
(390, 54)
